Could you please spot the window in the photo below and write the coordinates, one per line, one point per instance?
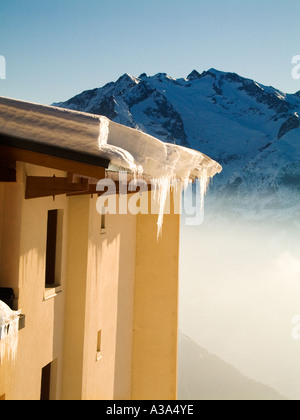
(103, 222)
(99, 345)
(54, 248)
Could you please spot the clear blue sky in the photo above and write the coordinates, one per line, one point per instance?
(55, 49)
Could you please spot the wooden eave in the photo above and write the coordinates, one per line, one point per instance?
(7, 170)
(83, 170)
(41, 186)
(20, 150)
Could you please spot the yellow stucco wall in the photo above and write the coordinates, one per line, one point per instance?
(100, 297)
(122, 282)
(154, 374)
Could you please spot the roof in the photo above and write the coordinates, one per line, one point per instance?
(95, 140)
(50, 131)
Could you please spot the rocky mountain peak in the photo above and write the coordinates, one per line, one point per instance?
(194, 75)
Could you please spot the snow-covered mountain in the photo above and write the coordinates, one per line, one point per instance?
(252, 130)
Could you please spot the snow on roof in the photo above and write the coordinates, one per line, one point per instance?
(98, 137)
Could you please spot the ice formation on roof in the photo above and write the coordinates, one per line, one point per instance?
(9, 327)
(165, 163)
(154, 157)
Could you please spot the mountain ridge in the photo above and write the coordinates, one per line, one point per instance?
(204, 376)
(244, 125)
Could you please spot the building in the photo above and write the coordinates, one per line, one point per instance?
(98, 294)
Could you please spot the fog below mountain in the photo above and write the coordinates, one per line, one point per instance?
(239, 290)
(204, 376)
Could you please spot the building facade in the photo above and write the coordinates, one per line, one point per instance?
(98, 293)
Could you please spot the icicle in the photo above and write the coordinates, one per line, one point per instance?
(103, 131)
(9, 332)
(163, 187)
(204, 181)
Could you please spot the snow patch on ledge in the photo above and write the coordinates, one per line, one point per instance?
(9, 332)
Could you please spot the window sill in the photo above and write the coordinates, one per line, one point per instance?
(51, 291)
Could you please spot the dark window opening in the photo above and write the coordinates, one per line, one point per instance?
(45, 384)
(99, 339)
(53, 250)
(51, 247)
